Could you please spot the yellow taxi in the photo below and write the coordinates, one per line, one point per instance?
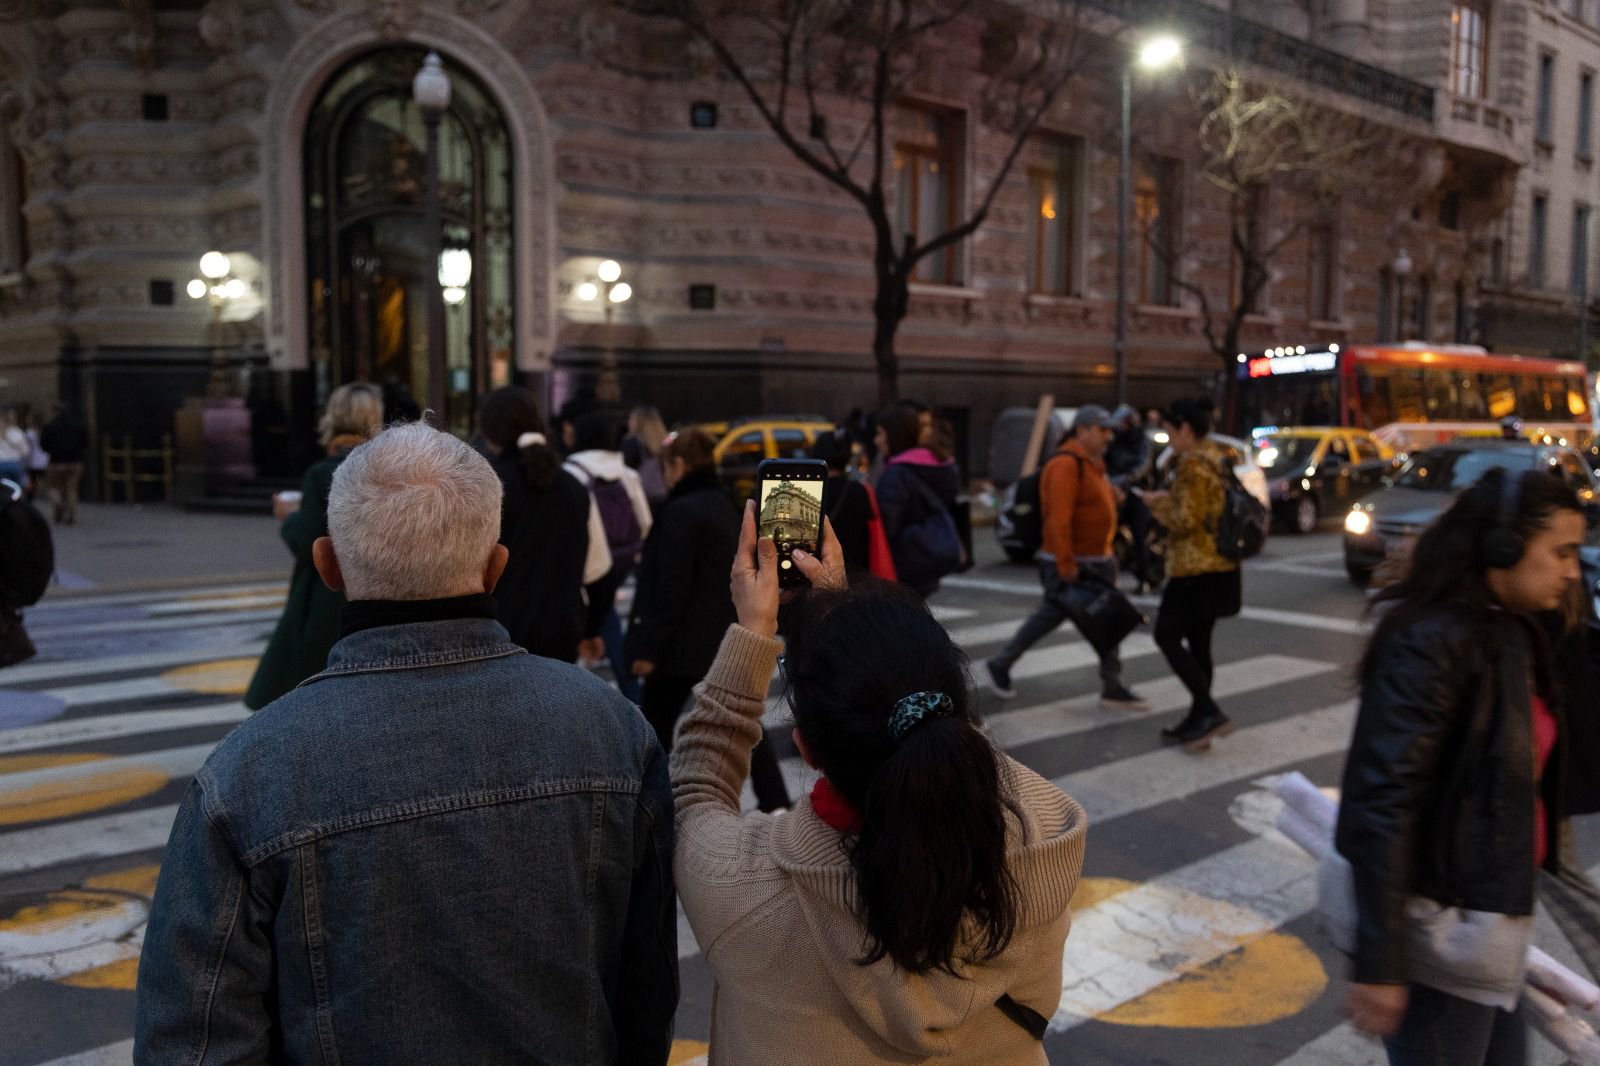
(1318, 471)
(748, 441)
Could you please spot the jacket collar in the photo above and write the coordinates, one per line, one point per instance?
(693, 481)
(370, 614)
(1072, 447)
(452, 637)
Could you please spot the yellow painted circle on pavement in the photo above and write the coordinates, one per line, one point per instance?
(223, 677)
(1093, 890)
(688, 1053)
(74, 796)
(1262, 981)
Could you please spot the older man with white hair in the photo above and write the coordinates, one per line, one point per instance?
(439, 849)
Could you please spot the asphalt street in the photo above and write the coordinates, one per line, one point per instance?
(1194, 941)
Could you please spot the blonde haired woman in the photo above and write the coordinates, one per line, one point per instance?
(641, 449)
(309, 626)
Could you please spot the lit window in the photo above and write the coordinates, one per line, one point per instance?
(1053, 232)
(1156, 224)
(1469, 48)
(925, 154)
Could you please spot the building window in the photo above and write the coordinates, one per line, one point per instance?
(1497, 261)
(1537, 230)
(1386, 309)
(369, 279)
(13, 195)
(1156, 226)
(1579, 278)
(1462, 325)
(926, 153)
(1054, 189)
(1544, 122)
(1321, 272)
(1422, 313)
(1586, 115)
(1469, 48)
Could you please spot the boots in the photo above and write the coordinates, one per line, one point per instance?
(1197, 729)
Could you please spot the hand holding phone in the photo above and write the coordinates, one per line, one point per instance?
(789, 511)
(754, 580)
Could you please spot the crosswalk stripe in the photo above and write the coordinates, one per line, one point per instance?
(1054, 660)
(126, 724)
(85, 839)
(1343, 1045)
(118, 1054)
(1143, 781)
(151, 625)
(223, 604)
(174, 762)
(30, 673)
(1047, 721)
(1138, 940)
(53, 601)
(128, 688)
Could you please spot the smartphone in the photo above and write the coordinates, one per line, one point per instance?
(789, 510)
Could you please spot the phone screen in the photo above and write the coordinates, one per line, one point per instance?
(789, 510)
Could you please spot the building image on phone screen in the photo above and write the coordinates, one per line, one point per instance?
(791, 513)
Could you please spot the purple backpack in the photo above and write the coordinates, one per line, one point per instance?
(623, 534)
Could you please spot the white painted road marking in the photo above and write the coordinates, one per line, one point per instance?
(85, 839)
(75, 668)
(126, 724)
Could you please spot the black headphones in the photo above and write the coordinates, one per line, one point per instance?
(1502, 544)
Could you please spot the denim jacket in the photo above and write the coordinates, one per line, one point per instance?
(441, 849)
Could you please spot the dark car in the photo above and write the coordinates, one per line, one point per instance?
(1389, 521)
(1317, 471)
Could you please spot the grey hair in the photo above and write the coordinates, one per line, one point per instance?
(414, 514)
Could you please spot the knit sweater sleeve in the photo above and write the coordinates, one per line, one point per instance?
(717, 856)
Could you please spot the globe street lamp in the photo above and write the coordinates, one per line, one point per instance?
(608, 287)
(1157, 53)
(217, 285)
(431, 91)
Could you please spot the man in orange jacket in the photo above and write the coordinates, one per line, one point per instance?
(1079, 520)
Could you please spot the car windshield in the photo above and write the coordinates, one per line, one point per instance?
(1276, 455)
(1453, 469)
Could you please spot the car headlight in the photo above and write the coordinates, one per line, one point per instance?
(1358, 523)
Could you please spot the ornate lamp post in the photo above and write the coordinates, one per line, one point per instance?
(1158, 53)
(431, 91)
(218, 285)
(608, 287)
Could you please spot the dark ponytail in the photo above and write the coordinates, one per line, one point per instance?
(932, 881)
(504, 415)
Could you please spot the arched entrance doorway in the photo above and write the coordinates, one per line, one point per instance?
(367, 245)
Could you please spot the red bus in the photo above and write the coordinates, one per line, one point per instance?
(1412, 394)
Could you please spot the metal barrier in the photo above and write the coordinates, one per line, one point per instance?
(130, 475)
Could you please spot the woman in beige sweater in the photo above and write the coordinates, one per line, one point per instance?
(915, 906)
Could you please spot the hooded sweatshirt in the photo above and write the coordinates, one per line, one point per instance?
(771, 900)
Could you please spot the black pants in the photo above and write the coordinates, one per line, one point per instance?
(1444, 1030)
(1190, 608)
(664, 698)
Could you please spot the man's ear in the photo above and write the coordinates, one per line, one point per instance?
(495, 567)
(327, 564)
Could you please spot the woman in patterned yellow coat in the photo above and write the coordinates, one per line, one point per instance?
(1202, 586)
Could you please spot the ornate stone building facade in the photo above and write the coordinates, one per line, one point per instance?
(135, 136)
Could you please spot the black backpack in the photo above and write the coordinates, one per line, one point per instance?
(1026, 513)
(1242, 526)
(27, 554)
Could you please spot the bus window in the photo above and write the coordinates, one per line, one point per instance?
(1438, 387)
(1502, 394)
(1577, 398)
(1406, 389)
(1377, 408)
(1473, 405)
(1533, 400)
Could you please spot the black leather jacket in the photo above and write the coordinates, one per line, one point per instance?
(1438, 794)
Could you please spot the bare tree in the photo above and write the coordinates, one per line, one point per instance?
(826, 76)
(1255, 141)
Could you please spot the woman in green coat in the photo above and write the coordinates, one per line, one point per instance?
(309, 626)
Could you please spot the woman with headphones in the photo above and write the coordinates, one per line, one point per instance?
(1454, 785)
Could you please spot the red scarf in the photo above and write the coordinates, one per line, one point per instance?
(834, 810)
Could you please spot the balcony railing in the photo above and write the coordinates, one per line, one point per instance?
(1239, 39)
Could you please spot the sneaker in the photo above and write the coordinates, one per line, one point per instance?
(997, 679)
(1196, 731)
(1121, 696)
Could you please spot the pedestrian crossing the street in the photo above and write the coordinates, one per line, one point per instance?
(1195, 920)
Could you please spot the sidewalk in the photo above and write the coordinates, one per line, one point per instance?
(119, 547)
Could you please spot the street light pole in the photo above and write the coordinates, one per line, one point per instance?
(1124, 196)
(431, 90)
